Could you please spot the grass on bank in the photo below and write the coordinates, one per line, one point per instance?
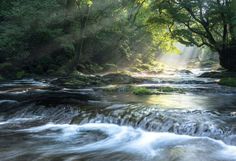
(228, 82)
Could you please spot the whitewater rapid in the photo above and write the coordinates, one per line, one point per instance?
(88, 140)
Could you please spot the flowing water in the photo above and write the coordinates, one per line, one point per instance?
(39, 121)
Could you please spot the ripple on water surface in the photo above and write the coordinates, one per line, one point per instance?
(112, 142)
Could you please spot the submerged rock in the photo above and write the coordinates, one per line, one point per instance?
(159, 90)
(119, 78)
(96, 80)
(185, 71)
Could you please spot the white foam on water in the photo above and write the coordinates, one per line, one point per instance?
(4, 122)
(8, 101)
(137, 141)
(19, 120)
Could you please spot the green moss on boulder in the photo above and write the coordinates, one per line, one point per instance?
(160, 90)
(1, 78)
(141, 91)
(230, 81)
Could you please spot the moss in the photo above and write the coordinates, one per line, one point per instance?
(141, 91)
(75, 83)
(8, 70)
(111, 89)
(20, 74)
(51, 72)
(152, 67)
(1, 78)
(117, 88)
(124, 72)
(112, 67)
(135, 69)
(170, 89)
(207, 63)
(117, 78)
(5, 65)
(161, 90)
(230, 81)
(61, 72)
(77, 79)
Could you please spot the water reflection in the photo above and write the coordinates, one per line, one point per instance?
(188, 101)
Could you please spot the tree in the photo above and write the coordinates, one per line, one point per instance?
(76, 10)
(201, 23)
(61, 36)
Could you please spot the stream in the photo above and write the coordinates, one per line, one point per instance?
(43, 122)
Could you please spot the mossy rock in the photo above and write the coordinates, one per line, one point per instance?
(2, 78)
(170, 89)
(119, 78)
(77, 80)
(117, 88)
(74, 83)
(152, 67)
(142, 91)
(208, 63)
(184, 71)
(21, 74)
(112, 67)
(231, 81)
(160, 90)
(8, 70)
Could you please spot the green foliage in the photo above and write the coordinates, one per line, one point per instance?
(20, 74)
(1, 78)
(230, 81)
(48, 35)
(112, 67)
(60, 36)
(152, 67)
(7, 70)
(170, 89)
(196, 22)
(141, 91)
(4, 66)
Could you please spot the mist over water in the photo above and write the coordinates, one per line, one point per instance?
(189, 57)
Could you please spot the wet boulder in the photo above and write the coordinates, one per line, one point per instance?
(185, 71)
(119, 78)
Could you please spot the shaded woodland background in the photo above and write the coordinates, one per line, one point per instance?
(57, 37)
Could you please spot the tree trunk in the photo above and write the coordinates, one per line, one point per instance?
(233, 8)
(228, 58)
(78, 39)
(79, 42)
(228, 53)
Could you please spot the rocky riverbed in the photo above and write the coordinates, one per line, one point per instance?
(106, 120)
